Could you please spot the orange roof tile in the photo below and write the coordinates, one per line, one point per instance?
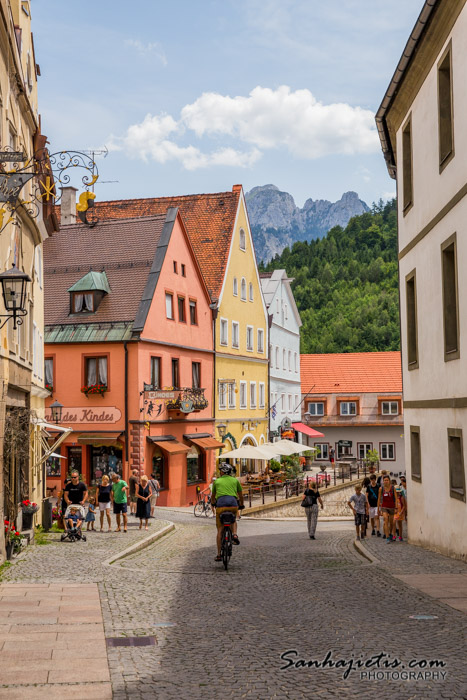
(209, 220)
(356, 372)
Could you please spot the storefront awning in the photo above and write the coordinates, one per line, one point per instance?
(170, 446)
(302, 428)
(207, 443)
(100, 439)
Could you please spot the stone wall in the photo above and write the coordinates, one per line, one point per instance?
(334, 498)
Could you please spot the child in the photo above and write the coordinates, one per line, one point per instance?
(91, 514)
(74, 519)
(360, 510)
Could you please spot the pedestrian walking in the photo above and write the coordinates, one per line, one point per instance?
(332, 453)
(372, 492)
(119, 499)
(91, 514)
(103, 499)
(155, 488)
(133, 482)
(143, 505)
(311, 497)
(360, 510)
(399, 515)
(387, 506)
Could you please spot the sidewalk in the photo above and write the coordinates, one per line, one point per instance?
(45, 629)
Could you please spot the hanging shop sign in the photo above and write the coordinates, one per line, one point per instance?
(11, 185)
(288, 434)
(160, 395)
(345, 443)
(12, 157)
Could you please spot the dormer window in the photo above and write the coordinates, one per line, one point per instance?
(87, 293)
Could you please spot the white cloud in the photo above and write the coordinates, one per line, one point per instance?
(151, 48)
(389, 195)
(265, 119)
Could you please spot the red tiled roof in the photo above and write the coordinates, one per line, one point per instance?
(125, 249)
(209, 220)
(354, 372)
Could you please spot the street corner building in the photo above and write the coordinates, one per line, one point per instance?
(23, 230)
(129, 352)
(421, 123)
(219, 232)
(355, 399)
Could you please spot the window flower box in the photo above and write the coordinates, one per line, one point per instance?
(94, 389)
(49, 387)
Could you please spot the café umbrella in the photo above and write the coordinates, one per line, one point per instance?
(287, 447)
(248, 452)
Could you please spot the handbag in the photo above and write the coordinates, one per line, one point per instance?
(307, 501)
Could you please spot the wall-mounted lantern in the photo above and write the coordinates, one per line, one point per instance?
(14, 287)
(56, 409)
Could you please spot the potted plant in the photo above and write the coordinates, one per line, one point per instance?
(49, 387)
(372, 458)
(28, 509)
(308, 459)
(274, 466)
(13, 539)
(94, 389)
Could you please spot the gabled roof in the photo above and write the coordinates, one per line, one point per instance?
(270, 282)
(209, 220)
(125, 249)
(92, 281)
(353, 372)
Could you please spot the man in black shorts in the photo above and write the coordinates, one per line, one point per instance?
(76, 491)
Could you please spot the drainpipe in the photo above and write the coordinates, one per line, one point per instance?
(125, 346)
(270, 318)
(215, 311)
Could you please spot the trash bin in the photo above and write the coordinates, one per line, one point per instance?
(47, 513)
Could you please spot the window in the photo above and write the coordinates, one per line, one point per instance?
(290, 360)
(194, 465)
(235, 287)
(82, 303)
(175, 373)
(181, 310)
(242, 239)
(95, 371)
(231, 392)
(222, 395)
(250, 291)
(224, 332)
(277, 358)
(296, 361)
(290, 403)
(445, 111)
(235, 335)
(277, 306)
(249, 338)
(159, 467)
(316, 408)
(323, 452)
(156, 381)
(412, 332)
(450, 300)
(242, 394)
(260, 340)
(49, 373)
(285, 311)
(415, 453)
(363, 448)
(193, 313)
(407, 184)
(38, 264)
(348, 408)
(175, 267)
(390, 408)
(169, 305)
(456, 464)
(252, 394)
(183, 270)
(243, 289)
(387, 451)
(262, 395)
(284, 359)
(283, 403)
(196, 375)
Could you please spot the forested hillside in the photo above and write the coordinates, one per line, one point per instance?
(346, 284)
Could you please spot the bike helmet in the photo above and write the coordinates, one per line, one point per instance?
(225, 468)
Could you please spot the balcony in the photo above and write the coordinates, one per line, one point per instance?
(188, 400)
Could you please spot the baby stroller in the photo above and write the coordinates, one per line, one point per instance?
(75, 533)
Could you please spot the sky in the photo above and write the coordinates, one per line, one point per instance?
(198, 95)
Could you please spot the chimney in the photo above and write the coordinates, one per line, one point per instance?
(68, 206)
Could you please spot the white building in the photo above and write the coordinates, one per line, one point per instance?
(421, 123)
(284, 352)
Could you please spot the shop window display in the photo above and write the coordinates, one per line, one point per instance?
(53, 468)
(159, 468)
(194, 466)
(105, 460)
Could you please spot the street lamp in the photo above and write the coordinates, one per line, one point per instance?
(222, 429)
(14, 287)
(56, 408)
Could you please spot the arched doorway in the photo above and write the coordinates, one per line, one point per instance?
(248, 466)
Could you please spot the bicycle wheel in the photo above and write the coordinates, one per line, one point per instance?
(208, 511)
(226, 546)
(199, 509)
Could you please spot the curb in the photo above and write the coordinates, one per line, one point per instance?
(363, 551)
(140, 545)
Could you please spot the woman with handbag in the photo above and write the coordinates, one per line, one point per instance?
(310, 503)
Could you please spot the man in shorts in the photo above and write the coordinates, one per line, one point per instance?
(227, 494)
(119, 498)
(75, 491)
(360, 510)
(372, 492)
(133, 482)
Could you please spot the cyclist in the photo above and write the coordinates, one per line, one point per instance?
(227, 494)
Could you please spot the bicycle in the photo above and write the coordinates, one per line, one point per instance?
(227, 519)
(204, 506)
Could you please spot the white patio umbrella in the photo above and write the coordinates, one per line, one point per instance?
(247, 452)
(287, 447)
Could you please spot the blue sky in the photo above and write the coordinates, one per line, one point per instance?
(195, 96)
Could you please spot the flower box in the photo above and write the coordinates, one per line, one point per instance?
(94, 389)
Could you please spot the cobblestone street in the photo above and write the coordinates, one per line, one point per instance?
(221, 634)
